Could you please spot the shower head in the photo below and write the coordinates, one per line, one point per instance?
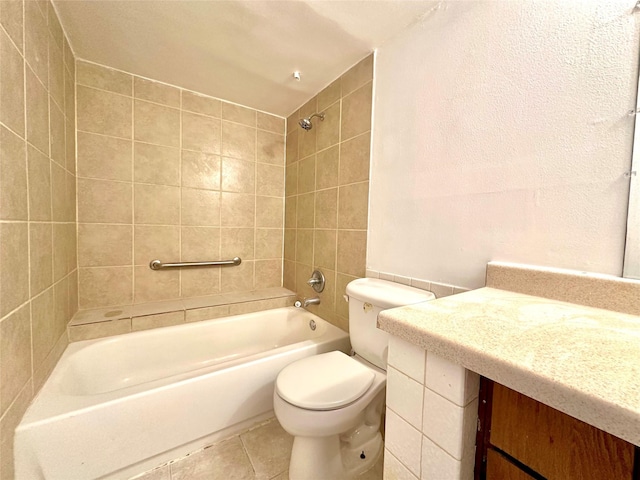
(306, 122)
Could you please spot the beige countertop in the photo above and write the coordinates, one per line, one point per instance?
(580, 360)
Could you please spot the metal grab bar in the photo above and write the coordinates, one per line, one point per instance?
(157, 264)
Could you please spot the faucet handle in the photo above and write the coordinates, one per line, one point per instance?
(316, 281)
(313, 281)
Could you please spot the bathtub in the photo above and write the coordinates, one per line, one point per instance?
(117, 406)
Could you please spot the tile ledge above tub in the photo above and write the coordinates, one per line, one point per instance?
(581, 360)
(115, 320)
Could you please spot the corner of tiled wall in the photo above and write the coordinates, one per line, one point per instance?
(431, 419)
(188, 178)
(327, 191)
(38, 273)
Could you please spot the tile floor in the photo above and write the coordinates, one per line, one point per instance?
(260, 453)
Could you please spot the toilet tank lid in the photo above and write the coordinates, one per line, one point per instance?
(385, 294)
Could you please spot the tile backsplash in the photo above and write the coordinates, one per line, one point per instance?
(186, 177)
(327, 191)
(38, 275)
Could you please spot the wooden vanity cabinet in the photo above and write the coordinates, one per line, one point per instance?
(522, 439)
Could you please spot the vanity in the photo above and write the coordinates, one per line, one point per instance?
(535, 376)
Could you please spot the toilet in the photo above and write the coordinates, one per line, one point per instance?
(332, 403)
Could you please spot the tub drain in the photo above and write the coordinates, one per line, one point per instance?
(312, 324)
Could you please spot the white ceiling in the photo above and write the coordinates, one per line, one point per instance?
(243, 51)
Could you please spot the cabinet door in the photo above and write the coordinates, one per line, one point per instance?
(553, 444)
(499, 468)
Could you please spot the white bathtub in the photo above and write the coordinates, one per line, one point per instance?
(114, 407)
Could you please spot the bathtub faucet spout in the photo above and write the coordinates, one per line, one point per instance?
(311, 301)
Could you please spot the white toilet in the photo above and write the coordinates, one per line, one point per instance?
(332, 403)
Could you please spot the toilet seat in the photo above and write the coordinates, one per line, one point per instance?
(324, 382)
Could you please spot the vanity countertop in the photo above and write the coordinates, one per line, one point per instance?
(580, 360)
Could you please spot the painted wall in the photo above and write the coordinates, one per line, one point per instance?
(38, 274)
(186, 177)
(501, 132)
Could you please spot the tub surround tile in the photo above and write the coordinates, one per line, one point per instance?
(157, 321)
(156, 92)
(104, 78)
(78, 333)
(271, 123)
(206, 313)
(193, 102)
(496, 333)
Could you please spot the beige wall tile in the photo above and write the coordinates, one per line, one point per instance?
(39, 173)
(327, 167)
(309, 108)
(290, 212)
(328, 133)
(270, 148)
(104, 245)
(37, 113)
(156, 124)
(103, 112)
(305, 211)
(326, 208)
(15, 355)
(42, 326)
(61, 250)
(97, 76)
(56, 75)
(8, 424)
(342, 307)
(156, 204)
(194, 102)
(327, 306)
(93, 195)
(237, 278)
(201, 133)
(238, 175)
(304, 246)
(54, 25)
(200, 244)
(290, 239)
(237, 210)
(59, 192)
(238, 114)
(269, 243)
(352, 250)
(324, 247)
(197, 282)
(307, 174)
(156, 164)
(91, 331)
(156, 92)
(307, 141)
(354, 159)
(270, 180)
(41, 256)
(356, 112)
(237, 242)
(14, 274)
(70, 207)
(61, 306)
(107, 158)
(11, 19)
(291, 152)
(56, 135)
(11, 85)
(13, 176)
(271, 123)
(156, 242)
(268, 273)
(208, 313)
(329, 95)
(200, 170)
(289, 275)
(201, 207)
(36, 34)
(238, 141)
(353, 205)
(291, 179)
(70, 145)
(157, 321)
(105, 286)
(292, 121)
(358, 75)
(151, 285)
(269, 212)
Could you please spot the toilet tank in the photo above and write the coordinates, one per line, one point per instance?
(367, 298)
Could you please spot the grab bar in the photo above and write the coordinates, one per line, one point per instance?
(157, 264)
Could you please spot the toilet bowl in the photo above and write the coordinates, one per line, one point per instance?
(334, 416)
(332, 403)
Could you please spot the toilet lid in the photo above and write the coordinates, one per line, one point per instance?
(324, 382)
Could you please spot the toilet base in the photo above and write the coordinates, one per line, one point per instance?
(322, 458)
